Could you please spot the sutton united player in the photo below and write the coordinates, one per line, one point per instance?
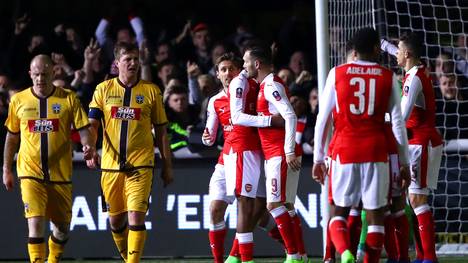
(129, 108)
(357, 156)
(43, 116)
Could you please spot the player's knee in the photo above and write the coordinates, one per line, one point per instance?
(289, 206)
(271, 206)
(36, 226)
(217, 213)
(117, 221)
(417, 200)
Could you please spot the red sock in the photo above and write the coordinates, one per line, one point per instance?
(354, 227)
(245, 246)
(283, 221)
(297, 228)
(339, 234)
(390, 242)
(329, 248)
(426, 231)
(417, 240)
(235, 249)
(374, 243)
(402, 235)
(217, 236)
(275, 234)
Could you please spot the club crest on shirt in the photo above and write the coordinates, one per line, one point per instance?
(139, 98)
(239, 93)
(276, 95)
(248, 188)
(406, 90)
(56, 108)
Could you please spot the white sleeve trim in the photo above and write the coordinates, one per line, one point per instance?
(238, 89)
(327, 104)
(285, 109)
(212, 122)
(411, 89)
(398, 124)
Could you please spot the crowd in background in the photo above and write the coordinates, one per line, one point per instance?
(183, 67)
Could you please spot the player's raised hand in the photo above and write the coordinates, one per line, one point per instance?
(294, 162)
(319, 171)
(405, 176)
(8, 179)
(167, 176)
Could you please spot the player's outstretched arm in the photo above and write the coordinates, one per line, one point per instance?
(238, 88)
(162, 142)
(11, 145)
(322, 125)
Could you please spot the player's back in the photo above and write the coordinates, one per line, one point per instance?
(363, 92)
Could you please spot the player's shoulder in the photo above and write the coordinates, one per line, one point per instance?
(218, 96)
(22, 95)
(106, 85)
(149, 86)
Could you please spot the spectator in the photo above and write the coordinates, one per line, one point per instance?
(298, 62)
(164, 70)
(124, 34)
(452, 108)
(287, 76)
(181, 116)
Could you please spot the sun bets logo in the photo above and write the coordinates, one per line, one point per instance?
(125, 113)
(43, 126)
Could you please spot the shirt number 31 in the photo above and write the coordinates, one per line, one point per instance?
(360, 94)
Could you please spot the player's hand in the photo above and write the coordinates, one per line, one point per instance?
(8, 179)
(94, 162)
(293, 162)
(167, 176)
(319, 171)
(405, 176)
(277, 121)
(206, 137)
(88, 152)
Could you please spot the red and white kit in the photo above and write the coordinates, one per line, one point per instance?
(361, 93)
(395, 189)
(425, 143)
(218, 113)
(276, 142)
(242, 155)
(292, 181)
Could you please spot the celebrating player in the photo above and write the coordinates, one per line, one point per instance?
(360, 93)
(425, 143)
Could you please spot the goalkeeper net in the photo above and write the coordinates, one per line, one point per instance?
(443, 24)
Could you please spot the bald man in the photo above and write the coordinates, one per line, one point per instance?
(42, 116)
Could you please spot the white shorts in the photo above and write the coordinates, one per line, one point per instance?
(276, 173)
(242, 171)
(425, 165)
(353, 182)
(292, 182)
(217, 187)
(395, 179)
